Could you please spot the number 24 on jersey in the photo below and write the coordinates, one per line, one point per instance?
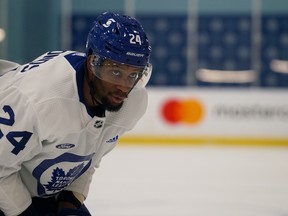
(18, 139)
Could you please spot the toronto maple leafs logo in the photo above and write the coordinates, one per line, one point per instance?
(60, 180)
(53, 175)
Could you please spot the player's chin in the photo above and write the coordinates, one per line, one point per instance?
(112, 106)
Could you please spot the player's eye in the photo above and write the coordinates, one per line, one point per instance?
(116, 73)
(133, 75)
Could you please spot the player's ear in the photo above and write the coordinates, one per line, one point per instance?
(89, 66)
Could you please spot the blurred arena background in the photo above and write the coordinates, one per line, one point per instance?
(214, 139)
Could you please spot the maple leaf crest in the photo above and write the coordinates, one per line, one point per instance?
(60, 180)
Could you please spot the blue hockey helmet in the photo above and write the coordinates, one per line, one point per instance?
(119, 38)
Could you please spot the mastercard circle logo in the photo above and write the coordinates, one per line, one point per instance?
(186, 111)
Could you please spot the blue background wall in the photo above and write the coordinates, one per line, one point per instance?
(224, 34)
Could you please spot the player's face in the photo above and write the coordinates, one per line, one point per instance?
(113, 83)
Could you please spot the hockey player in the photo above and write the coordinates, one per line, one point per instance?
(61, 113)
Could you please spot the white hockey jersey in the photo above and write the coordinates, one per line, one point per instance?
(49, 140)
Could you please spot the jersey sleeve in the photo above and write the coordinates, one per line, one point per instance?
(6, 66)
(19, 142)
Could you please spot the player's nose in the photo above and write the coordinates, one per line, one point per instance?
(122, 88)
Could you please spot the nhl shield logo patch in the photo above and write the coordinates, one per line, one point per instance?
(98, 124)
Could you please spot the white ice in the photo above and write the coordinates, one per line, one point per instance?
(191, 181)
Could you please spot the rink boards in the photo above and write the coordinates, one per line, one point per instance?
(192, 116)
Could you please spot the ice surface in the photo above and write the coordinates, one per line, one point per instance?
(188, 181)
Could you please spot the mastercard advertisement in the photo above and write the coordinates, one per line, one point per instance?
(206, 115)
(187, 110)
